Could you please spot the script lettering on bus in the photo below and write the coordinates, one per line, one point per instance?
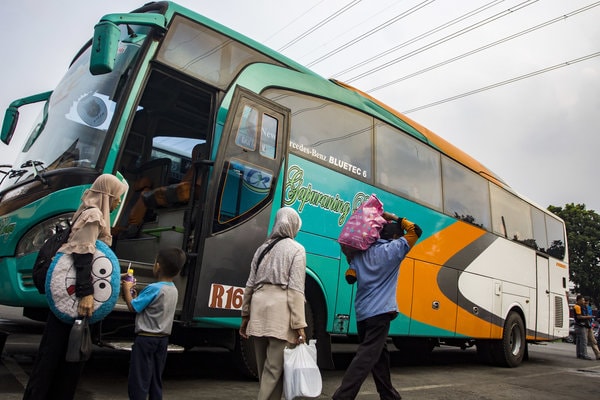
(295, 191)
(225, 297)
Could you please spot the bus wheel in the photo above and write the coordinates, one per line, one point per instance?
(510, 350)
(245, 357)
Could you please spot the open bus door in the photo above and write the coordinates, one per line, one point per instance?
(241, 197)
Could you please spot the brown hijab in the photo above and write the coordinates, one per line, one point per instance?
(104, 189)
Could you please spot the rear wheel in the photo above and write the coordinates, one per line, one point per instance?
(510, 350)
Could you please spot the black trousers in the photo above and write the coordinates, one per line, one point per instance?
(148, 358)
(52, 377)
(371, 356)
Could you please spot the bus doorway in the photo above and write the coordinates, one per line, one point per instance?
(165, 159)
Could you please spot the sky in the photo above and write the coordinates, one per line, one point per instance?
(513, 83)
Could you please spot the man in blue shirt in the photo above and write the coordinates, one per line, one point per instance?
(377, 271)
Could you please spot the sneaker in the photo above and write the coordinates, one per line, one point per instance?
(586, 357)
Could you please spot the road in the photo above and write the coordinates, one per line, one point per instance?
(552, 372)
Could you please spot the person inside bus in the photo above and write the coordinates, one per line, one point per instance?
(147, 198)
(177, 193)
(377, 270)
(52, 377)
(273, 302)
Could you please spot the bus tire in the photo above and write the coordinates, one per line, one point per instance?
(510, 350)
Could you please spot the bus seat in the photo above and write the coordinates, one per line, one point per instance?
(177, 193)
(149, 175)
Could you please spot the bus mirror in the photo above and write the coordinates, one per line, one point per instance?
(104, 47)
(11, 117)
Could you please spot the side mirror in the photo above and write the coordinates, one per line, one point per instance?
(11, 117)
(107, 34)
(104, 47)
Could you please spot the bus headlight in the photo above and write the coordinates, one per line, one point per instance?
(35, 238)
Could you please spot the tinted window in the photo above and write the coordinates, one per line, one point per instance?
(510, 216)
(328, 133)
(556, 237)
(407, 166)
(466, 194)
(539, 230)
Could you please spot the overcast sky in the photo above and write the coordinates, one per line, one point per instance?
(533, 74)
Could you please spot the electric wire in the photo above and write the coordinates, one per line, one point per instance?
(320, 24)
(485, 47)
(292, 21)
(419, 37)
(502, 83)
(435, 43)
(371, 32)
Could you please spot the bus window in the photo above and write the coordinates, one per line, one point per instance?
(556, 238)
(539, 230)
(510, 216)
(466, 194)
(407, 167)
(348, 148)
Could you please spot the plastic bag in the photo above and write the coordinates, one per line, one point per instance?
(79, 347)
(301, 375)
(362, 228)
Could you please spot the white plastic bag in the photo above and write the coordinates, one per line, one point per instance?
(301, 375)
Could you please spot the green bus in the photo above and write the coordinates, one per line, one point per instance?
(214, 132)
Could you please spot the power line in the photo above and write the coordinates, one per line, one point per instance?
(506, 82)
(485, 47)
(292, 21)
(444, 39)
(371, 32)
(320, 24)
(419, 37)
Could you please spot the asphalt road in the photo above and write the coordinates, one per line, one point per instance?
(552, 372)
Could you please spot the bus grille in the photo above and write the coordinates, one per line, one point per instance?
(558, 311)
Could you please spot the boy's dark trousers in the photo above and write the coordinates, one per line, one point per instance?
(148, 357)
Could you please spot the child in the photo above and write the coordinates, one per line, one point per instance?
(155, 308)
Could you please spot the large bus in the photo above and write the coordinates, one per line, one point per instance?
(155, 85)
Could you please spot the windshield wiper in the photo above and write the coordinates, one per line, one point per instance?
(34, 165)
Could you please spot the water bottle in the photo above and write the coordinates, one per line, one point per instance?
(130, 278)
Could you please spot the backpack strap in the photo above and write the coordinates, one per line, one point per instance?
(267, 249)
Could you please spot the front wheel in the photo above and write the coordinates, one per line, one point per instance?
(510, 350)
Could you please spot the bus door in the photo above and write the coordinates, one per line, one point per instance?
(240, 203)
(543, 297)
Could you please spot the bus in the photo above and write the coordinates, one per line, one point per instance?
(153, 85)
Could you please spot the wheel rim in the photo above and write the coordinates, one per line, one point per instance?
(516, 340)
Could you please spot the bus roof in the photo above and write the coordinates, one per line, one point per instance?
(418, 131)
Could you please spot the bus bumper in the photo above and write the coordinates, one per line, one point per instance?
(16, 283)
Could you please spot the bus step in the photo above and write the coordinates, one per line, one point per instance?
(126, 346)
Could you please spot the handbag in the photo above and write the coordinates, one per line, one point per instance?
(301, 375)
(79, 347)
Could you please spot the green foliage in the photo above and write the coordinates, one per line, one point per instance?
(583, 238)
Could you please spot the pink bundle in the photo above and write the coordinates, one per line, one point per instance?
(362, 228)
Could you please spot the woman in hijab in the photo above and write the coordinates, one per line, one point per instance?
(52, 377)
(273, 304)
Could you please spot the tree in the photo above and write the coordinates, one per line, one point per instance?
(583, 239)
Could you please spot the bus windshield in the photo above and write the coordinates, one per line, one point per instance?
(72, 128)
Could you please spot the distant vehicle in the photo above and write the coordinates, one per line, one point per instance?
(571, 337)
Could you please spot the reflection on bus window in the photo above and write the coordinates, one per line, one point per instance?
(245, 187)
(268, 136)
(466, 195)
(246, 133)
